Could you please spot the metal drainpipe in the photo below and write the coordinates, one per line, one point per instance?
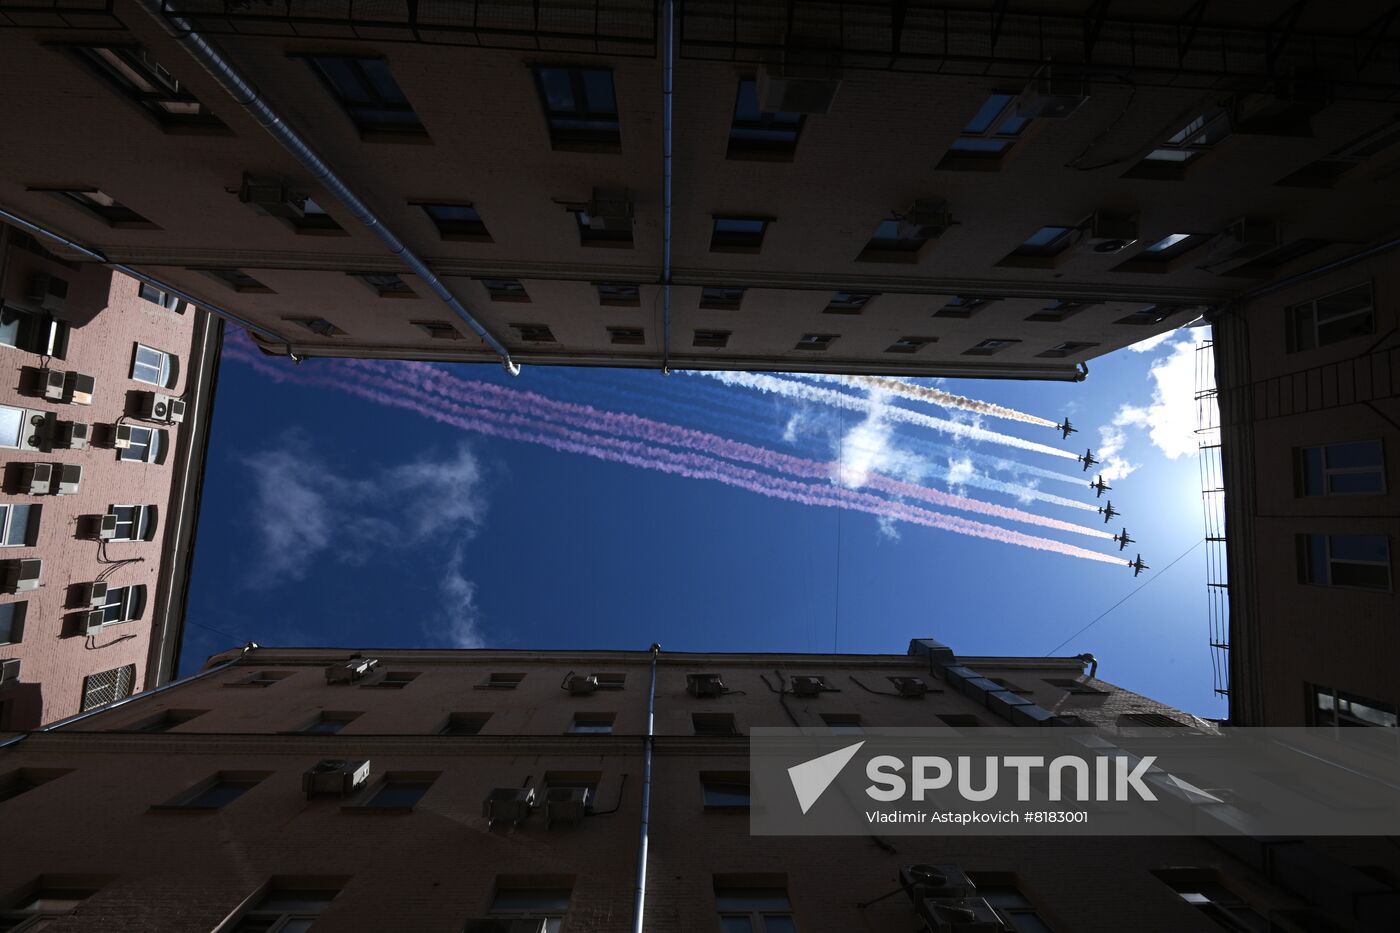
(151, 280)
(1090, 660)
(78, 717)
(668, 16)
(639, 902)
(243, 91)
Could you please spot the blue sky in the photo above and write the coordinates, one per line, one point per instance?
(394, 504)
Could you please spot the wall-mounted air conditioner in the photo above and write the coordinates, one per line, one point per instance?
(807, 686)
(48, 292)
(106, 527)
(959, 915)
(926, 219)
(1052, 97)
(78, 434)
(704, 685)
(37, 479)
(22, 576)
(81, 388)
(798, 87)
(565, 804)
(41, 425)
(95, 593)
(156, 406)
(335, 777)
(350, 671)
(937, 881)
(70, 479)
(121, 436)
(510, 804)
(910, 686)
(177, 411)
(1110, 232)
(610, 209)
(96, 618)
(272, 197)
(9, 672)
(55, 385)
(581, 684)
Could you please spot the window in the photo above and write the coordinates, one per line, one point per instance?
(398, 791)
(238, 280)
(505, 289)
(1349, 469)
(1331, 319)
(629, 336)
(147, 445)
(1012, 907)
(158, 297)
(724, 790)
(1324, 172)
(1151, 720)
(754, 134)
(19, 524)
(988, 136)
(1335, 708)
(1159, 255)
(910, 344)
(959, 720)
(366, 90)
(34, 331)
(12, 622)
(286, 909)
(816, 341)
(991, 347)
(751, 909)
(1005, 684)
(592, 723)
(960, 306)
(845, 723)
(108, 686)
(580, 107)
(1264, 266)
(848, 302)
(456, 221)
(1077, 687)
(738, 234)
(721, 298)
(714, 724)
(317, 325)
(261, 679)
(1361, 561)
(329, 723)
(134, 522)
(1184, 147)
(520, 898)
(136, 75)
(611, 681)
(1045, 243)
(1145, 317)
(619, 294)
(1201, 888)
(893, 241)
(167, 720)
(534, 333)
(1068, 348)
(386, 284)
(605, 234)
(503, 681)
(464, 723)
(394, 680)
(1060, 310)
(153, 367)
(438, 330)
(44, 899)
(123, 604)
(101, 205)
(712, 339)
(314, 220)
(26, 779)
(219, 791)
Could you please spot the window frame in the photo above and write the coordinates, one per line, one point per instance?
(534, 333)
(1319, 716)
(123, 682)
(1292, 322)
(630, 297)
(189, 799)
(366, 803)
(374, 99)
(164, 366)
(964, 152)
(591, 722)
(142, 522)
(166, 300)
(1192, 142)
(720, 790)
(33, 515)
(1326, 472)
(738, 241)
(499, 289)
(771, 144)
(606, 137)
(126, 66)
(986, 348)
(277, 917)
(234, 279)
(910, 344)
(114, 213)
(962, 307)
(627, 336)
(548, 910)
(714, 724)
(17, 610)
(392, 285)
(150, 450)
(722, 297)
(127, 602)
(439, 330)
(452, 725)
(887, 244)
(816, 343)
(730, 904)
(454, 229)
(844, 302)
(711, 339)
(1307, 573)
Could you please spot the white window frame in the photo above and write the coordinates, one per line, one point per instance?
(1378, 469)
(139, 523)
(165, 299)
(161, 367)
(148, 450)
(123, 600)
(19, 431)
(1333, 561)
(1333, 707)
(1290, 317)
(280, 917)
(548, 910)
(122, 681)
(7, 520)
(756, 915)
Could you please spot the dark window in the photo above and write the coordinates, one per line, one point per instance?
(725, 789)
(260, 679)
(989, 135)
(367, 91)
(1046, 242)
(630, 336)
(1005, 684)
(31, 910)
(399, 792)
(100, 205)
(959, 720)
(534, 333)
(318, 325)
(1345, 560)
(611, 681)
(1331, 319)
(505, 289)
(134, 73)
(592, 723)
(330, 723)
(847, 723)
(721, 298)
(236, 279)
(816, 341)
(394, 680)
(1201, 888)
(751, 909)
(1324, 172)
(963, 307)
(910, 344)
(465, 723)
(500, 681)
(386, 284)
(521, 899)
(456, 222)
(893, 241)
(1152, 314)
(286, 909)
(168, 720)
(754, 134)
(438, 330)
(606, 233)
(222, 790)
(1059, 310)
(619, 294)
(1334, 707)
(108, 686)
(19, 524)
(1264, 266)
(1184, 148)
(711, 338)
(990, 347)
(738, 234)
(12, 622)
(1353, 469)
(1069, 348)
(581, 107)
(849, 302)
(714, 724)
(24, 780)
(1152, 720)
(157, 297)
(1169, 247)
(1013, 908)
(315, 220)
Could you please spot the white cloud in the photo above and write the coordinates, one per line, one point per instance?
(869, 448)
(1170, 419)
(460, 617)
(960, 471)
(1152, 343)
(1113, 465)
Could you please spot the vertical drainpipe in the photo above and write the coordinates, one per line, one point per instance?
(639, 902)
(668, 24)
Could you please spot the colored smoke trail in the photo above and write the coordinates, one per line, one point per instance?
(918, 393)
(809, 393)
(517, 427)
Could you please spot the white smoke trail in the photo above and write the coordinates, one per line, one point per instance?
(918, 393)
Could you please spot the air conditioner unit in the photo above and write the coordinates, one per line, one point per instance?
(95, 593)
(70, 478)
(37, 479)
(81, 388)
(1240, 242)
(704, 685)
(798, 87)
(106, 527)
(959, 915)
(121, 437)
(1110, 232)
(927, 219)
(21, 576)
(9, 672)
(177, 411)
(1052, 97)
(48, 292)
(609, 209)
(40, 424)
(55, 385)
(95, 620)
(910, 686)
(807, 686)
(272, 198)
(335, 777)
(565, 804)
(501, 925)
(78, 434)
(582, 684)
(350, 671)
(156, 406)
(935, 881)
(511, 804)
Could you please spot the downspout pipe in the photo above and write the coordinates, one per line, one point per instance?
(243, 91)
(639, 900)
(668, 58)
(151, 280)
(1090, 660)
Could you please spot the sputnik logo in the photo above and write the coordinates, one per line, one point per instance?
(811, 778)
